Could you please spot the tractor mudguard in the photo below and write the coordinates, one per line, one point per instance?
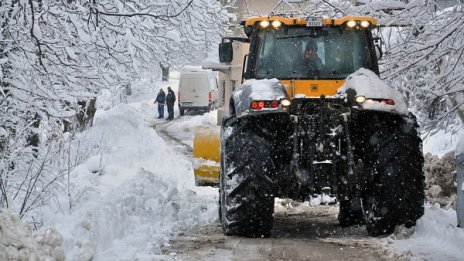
(258, 90)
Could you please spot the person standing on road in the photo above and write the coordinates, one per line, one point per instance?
(161, 99)
(170, 100)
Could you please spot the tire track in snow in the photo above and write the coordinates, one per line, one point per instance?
(300, 232)
(177, 144)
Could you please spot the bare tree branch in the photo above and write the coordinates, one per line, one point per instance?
(39, 46)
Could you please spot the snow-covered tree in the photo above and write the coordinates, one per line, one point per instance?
(426, 60)
(56, 56)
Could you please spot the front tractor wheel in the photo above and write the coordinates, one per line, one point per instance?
(246, 201)
(397, 195)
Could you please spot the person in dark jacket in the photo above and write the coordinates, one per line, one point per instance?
(311, 60)
(161, 99)
(170, 99)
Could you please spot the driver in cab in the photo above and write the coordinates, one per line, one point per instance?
(311, 60)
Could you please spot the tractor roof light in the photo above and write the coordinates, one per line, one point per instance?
(276, 24)
(351, 23)
(264, 24)
(365, 24)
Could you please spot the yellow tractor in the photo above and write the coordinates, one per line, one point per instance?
(305, 113)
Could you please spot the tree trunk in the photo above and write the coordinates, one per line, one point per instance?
(164, 73)
(454, 103)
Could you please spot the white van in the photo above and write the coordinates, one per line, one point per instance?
(198, 90)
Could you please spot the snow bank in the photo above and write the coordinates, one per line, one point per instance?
(441, 142)
(133, 195)
(436, 236)
(136, 219)
(18, 242)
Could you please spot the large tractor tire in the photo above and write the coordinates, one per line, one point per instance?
(397, 195)
(246, 200)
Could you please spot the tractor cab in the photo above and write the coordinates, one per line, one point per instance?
(310, 56)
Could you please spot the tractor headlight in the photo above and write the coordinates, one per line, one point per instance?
(285, 103)
(360, 99)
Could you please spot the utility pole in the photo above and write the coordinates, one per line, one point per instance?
(460, 182)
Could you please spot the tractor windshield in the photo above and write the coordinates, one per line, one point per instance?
(308, 53)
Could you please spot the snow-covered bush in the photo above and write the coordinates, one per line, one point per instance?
(37, 175)
(440, 178)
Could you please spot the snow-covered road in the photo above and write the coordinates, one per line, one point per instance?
(300, 233)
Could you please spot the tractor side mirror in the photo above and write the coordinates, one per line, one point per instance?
(226, 52)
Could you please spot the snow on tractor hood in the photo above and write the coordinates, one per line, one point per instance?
(378, 94)
(258, 90)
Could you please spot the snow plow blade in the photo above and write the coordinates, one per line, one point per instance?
(206, 155)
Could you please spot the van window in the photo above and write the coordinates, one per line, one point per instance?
(212, 84)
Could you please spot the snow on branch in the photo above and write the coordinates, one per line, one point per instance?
(98, 11)
(56, 57)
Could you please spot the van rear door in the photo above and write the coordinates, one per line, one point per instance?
(193, 90)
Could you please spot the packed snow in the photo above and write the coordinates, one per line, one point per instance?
(435, 236)
(18, 243)
(138, 191)
(366, 83)
(442, 142)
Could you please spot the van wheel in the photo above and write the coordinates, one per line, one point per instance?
(181, 111)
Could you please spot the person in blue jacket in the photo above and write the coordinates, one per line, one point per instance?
(161, 99)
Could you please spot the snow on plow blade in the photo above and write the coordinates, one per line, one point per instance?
(206, 155)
